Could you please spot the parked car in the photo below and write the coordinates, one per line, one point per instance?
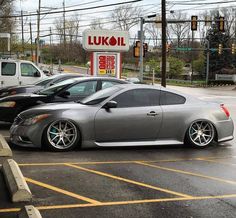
(133, 115)
(69, 90)
(19, 72)
(41, 84)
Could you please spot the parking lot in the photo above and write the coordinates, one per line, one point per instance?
(161, 181)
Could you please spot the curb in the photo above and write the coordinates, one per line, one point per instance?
(15, 181)
(29, 211)
(5, 150)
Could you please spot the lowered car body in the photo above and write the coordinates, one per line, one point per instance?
(124, 115)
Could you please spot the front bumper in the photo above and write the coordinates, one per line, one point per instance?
(25, 136)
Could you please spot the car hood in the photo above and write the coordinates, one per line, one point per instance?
(52, 107)
(22, 97)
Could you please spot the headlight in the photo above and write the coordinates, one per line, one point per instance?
(4, 94)
(8, 104)
(36, 119)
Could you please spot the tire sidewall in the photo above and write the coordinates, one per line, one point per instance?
(47, 144)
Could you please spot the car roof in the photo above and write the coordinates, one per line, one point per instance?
(77, 79)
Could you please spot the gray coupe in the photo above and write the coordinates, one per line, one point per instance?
(124, 115)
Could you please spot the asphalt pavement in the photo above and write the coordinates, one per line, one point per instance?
(162, 181)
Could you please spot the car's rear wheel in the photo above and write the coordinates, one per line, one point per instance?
(200, 133)
(61, 135)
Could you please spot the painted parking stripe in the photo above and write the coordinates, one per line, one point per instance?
(59, 190)
(122, 162)
(217, 161)
(188, 173)
(128, 181)
(70, 206)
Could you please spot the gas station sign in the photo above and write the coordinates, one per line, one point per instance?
(106, 64)
(105, 40)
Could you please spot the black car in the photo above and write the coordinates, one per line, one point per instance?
(70, 90)
(44, 83)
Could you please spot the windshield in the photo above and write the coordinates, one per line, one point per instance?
(56, 88)
(100, 96)
(45, 81)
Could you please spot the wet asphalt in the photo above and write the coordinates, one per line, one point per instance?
(162, 181)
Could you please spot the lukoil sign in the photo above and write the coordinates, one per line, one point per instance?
(105, 40)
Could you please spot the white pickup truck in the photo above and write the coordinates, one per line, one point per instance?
(19, 72)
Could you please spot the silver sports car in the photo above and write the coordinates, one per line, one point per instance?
(124, 115)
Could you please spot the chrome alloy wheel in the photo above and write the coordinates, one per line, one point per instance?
(62, 134)
(201, 133)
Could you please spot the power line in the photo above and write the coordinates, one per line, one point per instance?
(72, 10)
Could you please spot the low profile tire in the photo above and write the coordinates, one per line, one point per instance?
(200, 134)
(61, 135)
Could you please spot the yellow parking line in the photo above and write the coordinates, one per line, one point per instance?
(216, 161)
(69, 206)
(188, 173)
(124, 161)
(129, 181)
(59, 190)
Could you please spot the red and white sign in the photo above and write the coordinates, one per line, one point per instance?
(105, 40)
(106, 64)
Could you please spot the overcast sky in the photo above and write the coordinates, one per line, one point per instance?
(194, 7)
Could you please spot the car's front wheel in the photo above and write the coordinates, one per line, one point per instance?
(61, 135)
(200, 133)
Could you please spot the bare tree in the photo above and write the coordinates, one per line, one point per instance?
(178, 30)
(125, 17)
(96, 24)
(154, 33)
(6, 9)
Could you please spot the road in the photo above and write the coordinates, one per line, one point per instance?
(163, 181)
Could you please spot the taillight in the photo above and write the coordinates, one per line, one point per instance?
(225, 110)
(12, 92)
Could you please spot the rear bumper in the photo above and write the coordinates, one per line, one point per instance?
(225, 130)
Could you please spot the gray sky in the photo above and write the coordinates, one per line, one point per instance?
(194, 7)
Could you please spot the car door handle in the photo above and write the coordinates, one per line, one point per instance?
(152, 113)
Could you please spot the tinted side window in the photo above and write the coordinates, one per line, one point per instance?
(8, 69)
(168, 98)
(28, 70)
(83, 89)
(108, 84)
(138, 98)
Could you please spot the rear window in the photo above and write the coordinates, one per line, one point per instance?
(169, 98)
(8, 69)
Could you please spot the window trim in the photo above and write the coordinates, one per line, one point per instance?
(162, 91)
(8, 63)
(28, 76)
(138, 90)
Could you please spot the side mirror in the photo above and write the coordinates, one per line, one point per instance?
(37, 74)
(64, 94)
(110, 104)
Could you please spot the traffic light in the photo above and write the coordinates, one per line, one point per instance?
(220, 49)
(194, 23)
(221, 24)
(233, 49)
(136, 49)
(167, 48)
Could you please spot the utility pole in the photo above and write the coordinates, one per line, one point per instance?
(163, 42)
(141, 51)
(51, 64)
(192, 57)
(38, 33)
(208, 61)
(64, 23)
(31, 41)
(22, 33)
